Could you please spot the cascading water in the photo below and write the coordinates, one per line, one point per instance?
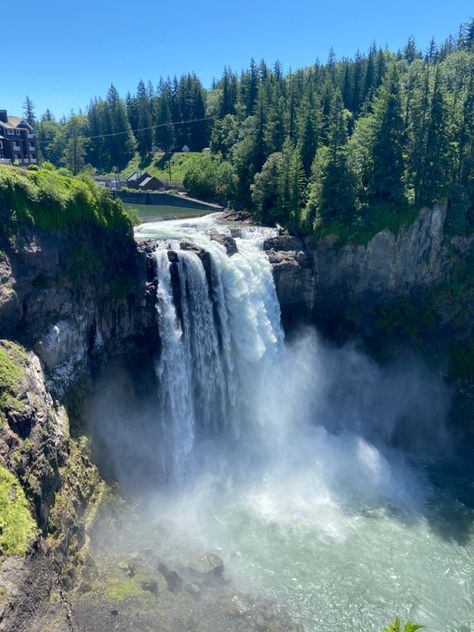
(220, 335)
(317, 475)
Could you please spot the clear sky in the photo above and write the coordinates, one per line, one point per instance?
(61, 53)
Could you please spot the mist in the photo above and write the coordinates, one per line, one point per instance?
(300, 463)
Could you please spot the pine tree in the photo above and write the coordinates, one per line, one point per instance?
(144, 133)
(333, 188)
(119, 145)
(434, 183)
(308, 142)
(75, 149)
(29, 111)
(164, 135)
(384, 172)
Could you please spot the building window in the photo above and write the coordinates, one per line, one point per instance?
(10, 131)
(17, 132)
(1, 144)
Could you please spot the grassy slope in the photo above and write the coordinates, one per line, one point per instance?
(52, 199)
(158, 165)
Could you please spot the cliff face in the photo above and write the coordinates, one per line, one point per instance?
(75, 297)
(293, 271)
(389, 264)
(414, 288)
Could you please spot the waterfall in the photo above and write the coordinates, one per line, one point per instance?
(220, 337)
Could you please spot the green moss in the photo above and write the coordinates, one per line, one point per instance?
(131, 587)
(11, 356)
(17, 527)
(53, 199)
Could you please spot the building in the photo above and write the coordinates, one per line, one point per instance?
(133, 181)
(17, 141)
(144, 182)
(151, 184)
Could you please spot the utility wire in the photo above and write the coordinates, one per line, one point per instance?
(141, 129)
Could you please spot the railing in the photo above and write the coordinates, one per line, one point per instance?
(33, 160)
(5, 161)
(30, 135)
(31, 148)
(16, 148)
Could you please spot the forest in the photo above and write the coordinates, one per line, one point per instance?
(352, 143)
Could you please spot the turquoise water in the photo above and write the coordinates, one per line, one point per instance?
(151, 212)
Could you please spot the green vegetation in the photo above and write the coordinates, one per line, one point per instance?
(379, 216)
(132, 587)
(337, 147)
(17, 527)
(51, 200)
(11, 371)
(162, 166)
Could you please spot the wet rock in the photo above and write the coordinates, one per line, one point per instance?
(293, 272)
(237, 607)
(194, 590)
(238, 216)
(207, 565)
(172, 578)
(190, 247)
(226, 241)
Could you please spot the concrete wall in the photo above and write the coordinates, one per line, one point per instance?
(147, 197)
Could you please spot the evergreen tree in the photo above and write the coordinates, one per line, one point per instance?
(164, 134)
(144, 132)
(433, 185)
(119, 143)
(29, 111)
(308, 143)
(384, 173)
(75, 148)
(333, 187)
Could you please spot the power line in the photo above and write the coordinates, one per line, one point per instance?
(141, 129)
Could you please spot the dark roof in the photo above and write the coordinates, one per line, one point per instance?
(137, 176)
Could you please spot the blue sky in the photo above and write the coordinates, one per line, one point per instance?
(62, 53)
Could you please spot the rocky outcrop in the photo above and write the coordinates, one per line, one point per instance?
(389, 263)
(415, 270)
(76, 297)
(60, 483)
(293, 272)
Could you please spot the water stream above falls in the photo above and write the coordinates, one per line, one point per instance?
(323, 480)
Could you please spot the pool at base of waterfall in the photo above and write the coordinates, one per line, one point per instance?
(324, 482)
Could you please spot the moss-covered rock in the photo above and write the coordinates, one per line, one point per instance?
(74, 506)
(17, 526)
(11, 371)
(50, 200)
